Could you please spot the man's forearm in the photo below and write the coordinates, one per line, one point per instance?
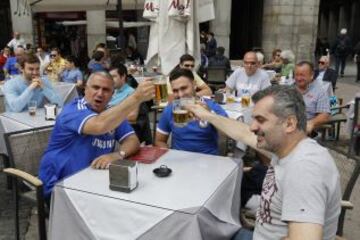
(111, 118)
(204, 91)
(320, 119)
(130, 145)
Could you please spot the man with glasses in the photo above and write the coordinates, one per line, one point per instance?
(249, 79)
(325, 73)
(56, 65)
(188, 62)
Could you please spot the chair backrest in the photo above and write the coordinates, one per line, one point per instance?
(216, 75)
(26, 147)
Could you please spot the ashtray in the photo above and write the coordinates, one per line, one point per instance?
(162, 171)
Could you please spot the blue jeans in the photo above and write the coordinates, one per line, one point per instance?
(243, 234)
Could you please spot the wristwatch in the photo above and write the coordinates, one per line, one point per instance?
(122, 154)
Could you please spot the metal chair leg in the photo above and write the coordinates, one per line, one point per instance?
(16, 205)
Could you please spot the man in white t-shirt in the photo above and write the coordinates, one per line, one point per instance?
(249, 79)
(301, 194)
(16, 41)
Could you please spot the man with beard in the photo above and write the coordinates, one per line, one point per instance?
(301, 194)
(29, 87)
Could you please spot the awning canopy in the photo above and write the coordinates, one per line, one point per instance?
(112, 24)
(81, 5)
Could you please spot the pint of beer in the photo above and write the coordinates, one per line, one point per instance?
(181, 116)
(245, 101)
(161, 93)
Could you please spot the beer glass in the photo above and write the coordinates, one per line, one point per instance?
(32, 105)
(245, 98)
(181, 116)
(161, 93)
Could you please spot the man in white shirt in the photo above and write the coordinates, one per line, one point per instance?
(16, 41)
(249, 79)
(301, 193)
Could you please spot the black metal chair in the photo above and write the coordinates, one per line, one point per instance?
(353, 157)
(25, 149)
(216, 77)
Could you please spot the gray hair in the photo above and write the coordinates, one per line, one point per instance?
(288, 55)
(287, 101)
(99, 73)
(260, 57)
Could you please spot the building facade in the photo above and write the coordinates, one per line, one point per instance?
(239, 26)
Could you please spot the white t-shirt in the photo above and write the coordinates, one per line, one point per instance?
(14, 43)
(241, 82)
(302, 187)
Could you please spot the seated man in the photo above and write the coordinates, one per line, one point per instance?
(139, 116)
(325, 73)
(249, 79)
(85, 131)
(192, 137)
(29, 87)
(219, 60)
(11, 65)
(56, 65)
(188, 62)
(315, 97)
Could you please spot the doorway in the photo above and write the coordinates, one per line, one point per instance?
(246, 27)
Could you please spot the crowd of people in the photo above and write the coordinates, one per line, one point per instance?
(300, 195)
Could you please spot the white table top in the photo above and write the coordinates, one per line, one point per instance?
(195, 177)
(199, 200)
(38, 120)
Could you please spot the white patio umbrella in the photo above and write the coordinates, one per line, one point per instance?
(175, 30)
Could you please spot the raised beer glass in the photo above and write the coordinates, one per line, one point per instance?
(181, 116)
(161, 93)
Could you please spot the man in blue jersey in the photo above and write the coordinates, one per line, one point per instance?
(194, 137)
(85, 132)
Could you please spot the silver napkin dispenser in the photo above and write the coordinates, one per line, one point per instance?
(50, 111)
(220, 97)
(123, 175)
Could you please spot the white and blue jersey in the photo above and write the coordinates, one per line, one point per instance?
(192, 137)
(70, 150)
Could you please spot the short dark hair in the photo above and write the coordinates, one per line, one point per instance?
(55, 49)
(72, 59)
(120, 68)
(179, 72)
(186, 57)
(98, 55)
(306, 63)
(287, 101)
(220, 50)
(27, 58)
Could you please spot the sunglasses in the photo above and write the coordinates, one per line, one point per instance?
(189, 65)
(53, 55)
(321, 62)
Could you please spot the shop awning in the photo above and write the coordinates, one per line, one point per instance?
(81, 5)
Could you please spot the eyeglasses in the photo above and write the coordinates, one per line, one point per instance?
(189, 65)
(321, 62)
(251, 64)
(53, 55)
(278, 55)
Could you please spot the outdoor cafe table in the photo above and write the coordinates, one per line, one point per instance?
(12, 121)
(199, 200)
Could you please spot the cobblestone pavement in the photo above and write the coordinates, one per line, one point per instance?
(346, 89)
